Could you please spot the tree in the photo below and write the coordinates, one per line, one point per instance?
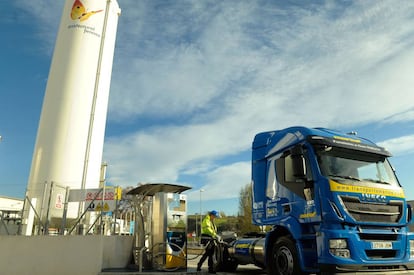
(125, 204)
(245, 211)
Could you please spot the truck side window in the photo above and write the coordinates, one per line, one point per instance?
(289, 177)
(285, 175)
(271, 188)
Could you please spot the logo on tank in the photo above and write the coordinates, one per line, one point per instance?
(79, 12)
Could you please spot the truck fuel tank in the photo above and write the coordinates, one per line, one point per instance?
(250, 250)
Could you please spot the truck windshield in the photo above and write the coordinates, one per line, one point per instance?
(355, 167)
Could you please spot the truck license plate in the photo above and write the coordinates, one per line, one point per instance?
(381, 245)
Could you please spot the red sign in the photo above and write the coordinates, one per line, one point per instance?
(109, 195)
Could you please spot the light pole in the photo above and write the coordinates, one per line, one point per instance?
(201, 216)
(196, 229)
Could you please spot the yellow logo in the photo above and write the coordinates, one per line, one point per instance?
(242, 245)
(307, 215)
(80, 13)
(347, 139)
(338, 187)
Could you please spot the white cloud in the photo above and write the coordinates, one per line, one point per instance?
(314, 61)
(399, 146)
(225, 182)
(161, 154)
(181, 69)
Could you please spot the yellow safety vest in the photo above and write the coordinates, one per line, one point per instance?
(208, 227)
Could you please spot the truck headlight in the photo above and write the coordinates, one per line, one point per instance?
(339, 248)
(411, 248)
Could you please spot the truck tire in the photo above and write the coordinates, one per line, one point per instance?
(228, 264)
(217, 257)
(284, 258)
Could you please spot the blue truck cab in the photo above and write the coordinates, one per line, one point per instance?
(334, 204)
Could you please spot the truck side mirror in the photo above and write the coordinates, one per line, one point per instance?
(298, 162)
(409, 214)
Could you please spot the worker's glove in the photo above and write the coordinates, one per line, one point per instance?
(219, 239)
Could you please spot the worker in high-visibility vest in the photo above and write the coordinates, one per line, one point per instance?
(208, 235)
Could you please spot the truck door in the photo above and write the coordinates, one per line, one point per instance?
(295, 183)
(299, 185)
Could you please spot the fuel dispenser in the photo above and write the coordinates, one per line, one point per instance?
(160, 235)
(169, 230)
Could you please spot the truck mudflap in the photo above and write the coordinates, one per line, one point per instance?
(367, 269)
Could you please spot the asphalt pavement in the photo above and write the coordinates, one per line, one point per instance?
(192, 259)
(250, 269)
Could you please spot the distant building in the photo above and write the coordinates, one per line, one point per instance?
(10, 215)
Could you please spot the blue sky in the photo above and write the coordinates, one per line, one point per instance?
(193, 81)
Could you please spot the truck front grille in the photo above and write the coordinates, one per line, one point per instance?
(373, 212)
(378, 237)
(381, 254)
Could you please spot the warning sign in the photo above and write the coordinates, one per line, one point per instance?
(104, 206)
(97, 199)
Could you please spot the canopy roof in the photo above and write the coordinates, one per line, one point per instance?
(150, 189)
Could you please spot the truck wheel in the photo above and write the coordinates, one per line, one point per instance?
(229, 264)
(217, 257)
(284, 258)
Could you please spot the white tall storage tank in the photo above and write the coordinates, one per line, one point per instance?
(69, 144)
